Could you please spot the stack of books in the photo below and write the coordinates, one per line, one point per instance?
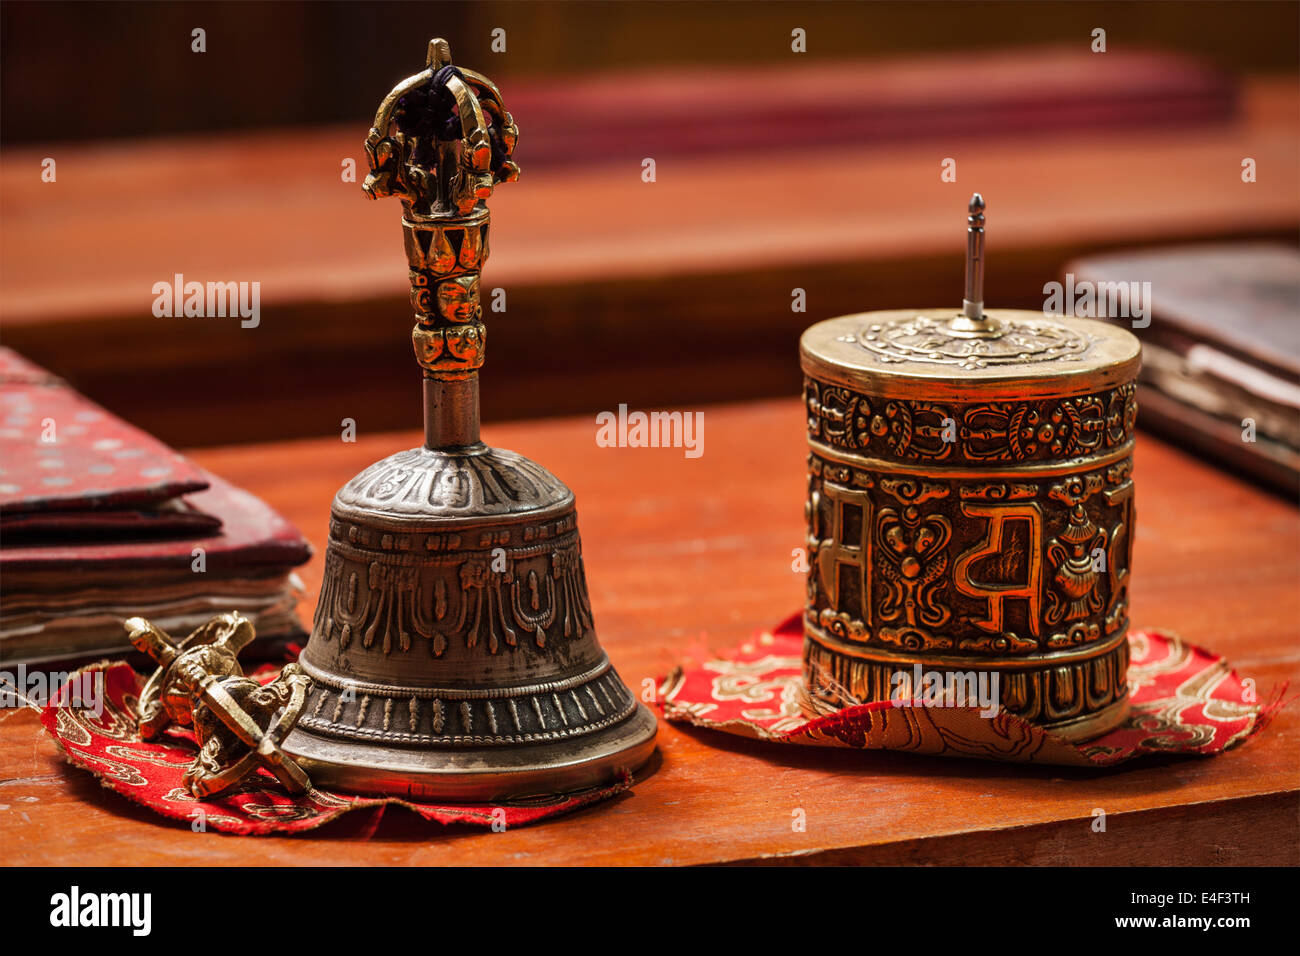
(100, 522)
(1220, 332)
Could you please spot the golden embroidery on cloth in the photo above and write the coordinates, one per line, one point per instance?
(743, 680)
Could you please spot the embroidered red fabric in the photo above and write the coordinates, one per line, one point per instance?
(150, 773)
(1184, 700)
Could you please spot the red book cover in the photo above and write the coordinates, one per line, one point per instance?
(254, 539)
(61, 451)
(174, 517)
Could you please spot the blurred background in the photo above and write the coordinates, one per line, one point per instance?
(776, 170)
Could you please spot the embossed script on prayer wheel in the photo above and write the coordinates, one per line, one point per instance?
(453, 654)
(970, 506)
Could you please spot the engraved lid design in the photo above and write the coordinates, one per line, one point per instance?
(917, 354)
(922, 338)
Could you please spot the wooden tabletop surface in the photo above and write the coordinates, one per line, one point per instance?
(684, 555)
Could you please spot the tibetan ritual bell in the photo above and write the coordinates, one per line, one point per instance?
(453, 654)
(970, 506)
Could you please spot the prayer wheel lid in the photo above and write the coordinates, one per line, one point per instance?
(969, 353)
(917, 352)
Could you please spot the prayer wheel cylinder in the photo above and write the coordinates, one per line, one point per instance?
(970, 509)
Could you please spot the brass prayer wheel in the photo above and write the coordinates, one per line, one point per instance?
(970, 505)
(453, 654)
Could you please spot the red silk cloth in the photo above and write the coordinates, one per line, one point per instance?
(1184, 700)
(150, 773)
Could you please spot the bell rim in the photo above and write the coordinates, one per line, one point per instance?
(479, 775)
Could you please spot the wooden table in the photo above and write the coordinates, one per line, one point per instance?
(685, 555)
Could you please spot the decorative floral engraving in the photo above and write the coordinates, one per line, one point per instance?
(1043, 430)
(923, 339)
(986, 567)
(470, 596)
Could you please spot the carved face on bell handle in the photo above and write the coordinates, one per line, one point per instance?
(458, 299)
(449, 349)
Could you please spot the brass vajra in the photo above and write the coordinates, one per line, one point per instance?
(238, 721)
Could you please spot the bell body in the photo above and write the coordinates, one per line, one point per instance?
(970, 510)
(453, 654)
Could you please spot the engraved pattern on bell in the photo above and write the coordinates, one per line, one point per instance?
(483, 481)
